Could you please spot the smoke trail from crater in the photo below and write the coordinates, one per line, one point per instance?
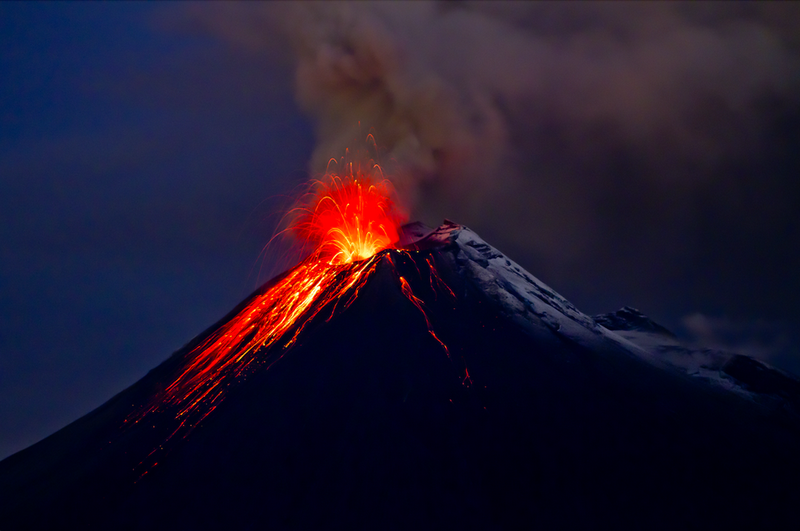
(521, 114)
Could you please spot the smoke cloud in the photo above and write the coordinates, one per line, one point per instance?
(772, 342)
(566, 132)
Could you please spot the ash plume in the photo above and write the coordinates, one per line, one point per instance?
(567, 133)
(535, 106)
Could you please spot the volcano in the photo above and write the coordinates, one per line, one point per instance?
(452, 389)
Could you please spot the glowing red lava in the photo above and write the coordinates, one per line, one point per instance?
(346, 222)
(349, 219)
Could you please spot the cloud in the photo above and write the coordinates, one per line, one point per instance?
(769, 341)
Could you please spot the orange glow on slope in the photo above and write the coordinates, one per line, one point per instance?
(347, 222)
(406, 289)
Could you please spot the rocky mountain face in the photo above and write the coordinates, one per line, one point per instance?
(519, 412)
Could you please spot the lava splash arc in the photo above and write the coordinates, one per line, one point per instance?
(349, 218)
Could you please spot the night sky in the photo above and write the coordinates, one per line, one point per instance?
(641, 156)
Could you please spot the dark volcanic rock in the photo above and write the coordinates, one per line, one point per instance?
(760, 378)
(629, 318)
(368, 424)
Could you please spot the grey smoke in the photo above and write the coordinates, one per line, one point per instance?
(600, 144)
(478, 103)
(764, 340)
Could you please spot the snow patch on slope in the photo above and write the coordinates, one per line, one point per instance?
(524, 296)
(540, 309)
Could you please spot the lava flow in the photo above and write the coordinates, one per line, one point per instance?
(346, 222)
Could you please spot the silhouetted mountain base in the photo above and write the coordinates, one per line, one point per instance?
(367, 424)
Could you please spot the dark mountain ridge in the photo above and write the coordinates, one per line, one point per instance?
(629, 318)
(539, 417)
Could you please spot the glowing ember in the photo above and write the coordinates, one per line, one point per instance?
(406, 288)
(349, 219)
(346, 222)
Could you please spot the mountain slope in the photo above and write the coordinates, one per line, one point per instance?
(536, 416)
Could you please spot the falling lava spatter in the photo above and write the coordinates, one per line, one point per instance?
(349, 223)
(348, 218)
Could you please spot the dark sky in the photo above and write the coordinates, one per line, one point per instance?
(639, 156)
(140, 169)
